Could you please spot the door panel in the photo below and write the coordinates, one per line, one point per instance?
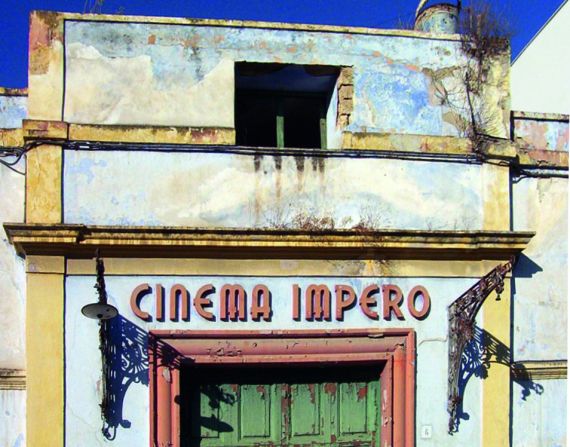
(305, 410)
(280, 406)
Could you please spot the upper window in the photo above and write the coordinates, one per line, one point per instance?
(283, 105)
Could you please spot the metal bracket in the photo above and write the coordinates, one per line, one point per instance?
(461, 318)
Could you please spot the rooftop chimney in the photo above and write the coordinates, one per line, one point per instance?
(439, 18)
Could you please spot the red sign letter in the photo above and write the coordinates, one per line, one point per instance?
(136, 297)
(317, 302)
(389, 304)
(200, 301)
(260, 303)
(235, 294)
(367, 301)
(159, 302)
(296, 298)
(341, 304)
(412, 296)
(176, 291)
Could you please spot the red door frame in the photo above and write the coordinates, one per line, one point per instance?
(395, 348)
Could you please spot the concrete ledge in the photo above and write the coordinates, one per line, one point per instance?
(235, 243)
(544, 158)
(540, 116)
(152, 134)
(39, 129)
(539, 369)
(11, 138)
(406, 143)
(4, 91)
(12, 379)
(254, 24)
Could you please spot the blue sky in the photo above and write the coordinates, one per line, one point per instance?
(525, 16)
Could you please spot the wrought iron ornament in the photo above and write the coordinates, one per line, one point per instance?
(461, 318)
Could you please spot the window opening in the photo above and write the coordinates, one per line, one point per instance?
(283, 105)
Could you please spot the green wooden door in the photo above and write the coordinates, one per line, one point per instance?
(280, 407)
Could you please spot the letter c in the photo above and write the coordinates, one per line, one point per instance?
(136, 297)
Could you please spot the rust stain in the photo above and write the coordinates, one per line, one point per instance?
(314, 163)
(537, 136)
(44, 28)
(218, 39)
(412, 67)
(300, 162)
(330, 388)
(263, 45)
(40, 60)
(333, 439)
(234, 387)
(257, 162)
(278, 162)
(285, 400)
(312, 392)
(291, 49)
(204, 135)
(261, 390)
(376, 54)
(192, 42)
(151, 39)
(362, 392)
(321, 164)
(561, 140)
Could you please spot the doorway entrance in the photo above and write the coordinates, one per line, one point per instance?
(303, 406)
(282, 388)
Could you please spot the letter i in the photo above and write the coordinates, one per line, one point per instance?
(296, 298)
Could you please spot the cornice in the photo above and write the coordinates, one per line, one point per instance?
(539, 369)
(77, 240)
(12, 379)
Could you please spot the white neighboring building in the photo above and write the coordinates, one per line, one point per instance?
(539, 75)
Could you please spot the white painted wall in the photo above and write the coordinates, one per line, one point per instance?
(12, 275)
(541, 275)
(233, 190)
(12, 418)
(539, 76)
(539, 419)
(12, 309)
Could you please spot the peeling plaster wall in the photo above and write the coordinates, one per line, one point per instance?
(83, 420)
(13, 420)
(135, 73)
(540, 418)
(541, 134)
(541, 275)
(231, 190)
(12, 273)
(13, 109)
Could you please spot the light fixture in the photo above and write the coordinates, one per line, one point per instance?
(101, 310)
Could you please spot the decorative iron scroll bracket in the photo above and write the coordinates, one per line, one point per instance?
(461, 318)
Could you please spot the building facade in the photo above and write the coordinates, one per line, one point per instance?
(303, 244)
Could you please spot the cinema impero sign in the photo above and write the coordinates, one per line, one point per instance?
(314, 302)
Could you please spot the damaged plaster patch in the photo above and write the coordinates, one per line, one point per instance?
(124, 90)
